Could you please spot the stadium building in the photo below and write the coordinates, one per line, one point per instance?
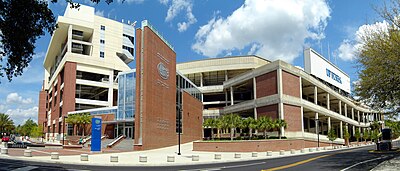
(86, 71)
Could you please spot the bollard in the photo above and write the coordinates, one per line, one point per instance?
(217, 156)
(254, 154)
(292, 151)
(303, 150)
(170, 158)
(282, 152)
(84, 157)
(269, 153)
(114, 159)
(4, 150)
(195, 158)
(238, 155)
(143, 159)
(28, 153)
(311, 149)
(318, 148)
(54, 155)
(4, 144)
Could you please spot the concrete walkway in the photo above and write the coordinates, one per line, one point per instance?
(158, 157)
(392, 164)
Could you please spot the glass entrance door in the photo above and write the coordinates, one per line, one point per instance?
(129, 132)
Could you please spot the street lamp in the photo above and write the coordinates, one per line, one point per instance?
(316, 126)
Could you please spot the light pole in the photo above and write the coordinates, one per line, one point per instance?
(316, 126)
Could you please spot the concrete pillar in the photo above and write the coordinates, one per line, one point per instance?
(254, 88)
(341, 129)
(255, 113)
(226, 97)
(201, 79)
(280, 94)
(345, 110)
(231, 95)
(69, 39)
(316, 124)
(329, 123)
(340, 107)
(328, 103)
(358, 116)
(110, 88)
(308, 124)
(315, 95)
(363, 117)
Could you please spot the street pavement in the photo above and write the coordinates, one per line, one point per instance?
(349, 158)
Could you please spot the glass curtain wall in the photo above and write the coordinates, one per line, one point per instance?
(126, 95)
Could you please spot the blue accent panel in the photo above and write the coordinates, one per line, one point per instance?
(96, 135)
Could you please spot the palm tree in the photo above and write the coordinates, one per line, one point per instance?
(210, 123)
(219, 125)
(73, 120)
(265, 124)
(84, 119)
(279, 123)
(6, 124)
(231, 121)
(252, 125)
(243, 124)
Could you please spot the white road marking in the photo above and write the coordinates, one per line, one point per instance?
(27, 168)
(366, 161)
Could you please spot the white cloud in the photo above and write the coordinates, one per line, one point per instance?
(176, 7)
(349, 47)
(14, 98)
(39, 55)
(279, 28)
(99, 13)
(130, 1)
(19, 116)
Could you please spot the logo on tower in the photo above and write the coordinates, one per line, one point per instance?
(163, 71)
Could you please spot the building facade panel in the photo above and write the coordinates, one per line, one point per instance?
(192, 117)
(42, 111)
(292, 116)
(290, 84)
(269, 111)
(266, 84)
(157, 98)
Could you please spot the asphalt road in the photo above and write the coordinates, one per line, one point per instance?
(352, 159)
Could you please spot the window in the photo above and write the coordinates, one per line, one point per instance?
(102, 41)
(103, 27)
(101, 54)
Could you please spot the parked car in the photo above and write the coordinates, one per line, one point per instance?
(5, 139)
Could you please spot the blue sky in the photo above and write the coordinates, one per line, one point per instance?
(273, 29)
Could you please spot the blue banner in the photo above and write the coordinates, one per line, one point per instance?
(96, 135)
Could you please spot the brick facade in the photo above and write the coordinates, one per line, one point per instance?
(267, 84)
(155, 117)
(271, 111)
(290, 84)
(256, 145)
(42, 111)
(292, 116)
(192, 118)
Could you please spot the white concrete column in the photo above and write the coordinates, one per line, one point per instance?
(302, 119)
(308, 124)
(328, 103)
(315, 95)
(69, 39)
(110, 88)
(341, 129)
(255, 113)
(329, 123)
(340, 107)
(363, 117)
(231, 95)
(280, 94)
(254, 88)
(345, 110)
(201, 79)
(226, 97)
(358, 116)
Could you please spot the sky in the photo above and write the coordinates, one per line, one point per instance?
(272, 29)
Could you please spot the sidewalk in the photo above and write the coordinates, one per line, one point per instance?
(158, 157)
(392, 164)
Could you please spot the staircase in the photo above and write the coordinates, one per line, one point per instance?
(124, 145)
(105, 142)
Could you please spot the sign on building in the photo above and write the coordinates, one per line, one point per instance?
(317, 65)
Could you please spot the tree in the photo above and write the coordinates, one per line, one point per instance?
(28, 127)
(37, 131)
(252, 126)
(375, 136)
(265, 124)
(378, 59)
(6, 123)
(279, 124)
(231, 121)
(72, 120)
(395, 126)
(219, 125)
(346, 135)
(210, 123)
(367, 135)
(332, 135)
(357, 134)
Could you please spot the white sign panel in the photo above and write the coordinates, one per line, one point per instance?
(318, 66)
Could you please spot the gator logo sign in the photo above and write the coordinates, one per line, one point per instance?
(163, 71)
